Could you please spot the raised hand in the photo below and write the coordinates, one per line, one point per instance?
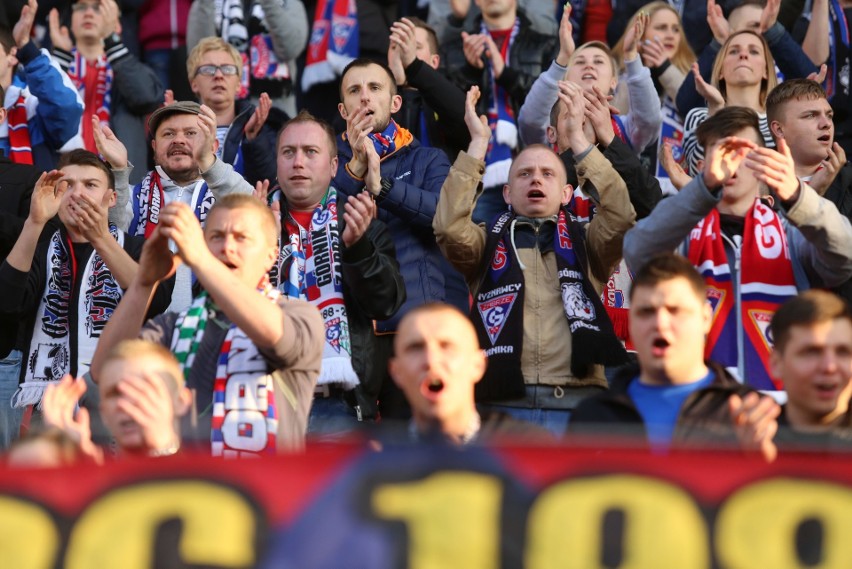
(634, 35)
(157, 262)
(566, 38)
(755, 422)
(402, 35)
(473, 46)
(59, 35)
(206, 151)
(108, 145)
(47, 194)
(492, 52)
(111, 21)
(678, 176)
(23, 28)
(179, 224)
(373, 175)
(598, 116)
(776, 169)
(168, 97)
(58, 410)
(769, 15)
(724, 158)
(830, 167)
(477, 125)
(572, 113)
(714, 98)
(258, 118)
(652, 52)
(358, 127)
(819, 76)
(146, 399)
(718, 24)
(359, 212)
(90, 218)
(395, 64)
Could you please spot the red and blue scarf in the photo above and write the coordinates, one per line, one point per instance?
(766, 280)
(501, 120)
(333, 43)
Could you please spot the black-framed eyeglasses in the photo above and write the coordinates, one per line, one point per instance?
(82, 7)
(210, 70)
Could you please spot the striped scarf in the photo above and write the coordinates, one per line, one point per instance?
(20, 146)
(766, 280)
(311, 262)
(250, 36)
(333, 43)
(56, 348)
(149, 198)
(391, 139)
(101, 102)
(501, 120)
(244, 416)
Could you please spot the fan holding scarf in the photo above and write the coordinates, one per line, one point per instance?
(752, 257)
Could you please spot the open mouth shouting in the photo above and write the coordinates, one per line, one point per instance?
(659, 347)
(431, 388)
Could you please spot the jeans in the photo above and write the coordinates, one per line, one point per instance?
(10, 418)
(331, 419)
(554, 420)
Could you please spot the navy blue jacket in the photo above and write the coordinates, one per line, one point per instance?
(418, 174)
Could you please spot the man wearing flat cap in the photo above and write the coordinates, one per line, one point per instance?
(187, 170)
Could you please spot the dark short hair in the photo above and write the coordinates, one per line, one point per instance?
(727, 122)
(366, 62)
(791, 90)
(306, 117)
(7, 40)
(810, 307)
(80, 157)
(431, 34)
(665, 267)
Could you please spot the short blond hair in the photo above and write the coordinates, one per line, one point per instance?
(211, 43)
(144, 349)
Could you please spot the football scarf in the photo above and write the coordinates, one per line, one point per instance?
(671, 132)
(391, 139)
(149, 198)
(615, 297)
(333, 43)
(839, 55)
(244, 414)
(766, 280)
(310, 263)
(497, 312)
(50, 355)
(250, 36)
(501, 120)
(99, 101)
(20, 146)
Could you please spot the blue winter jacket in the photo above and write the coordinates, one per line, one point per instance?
(418, 174)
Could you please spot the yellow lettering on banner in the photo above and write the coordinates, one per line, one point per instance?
(663, 526)
(453, 519)
(757, 526)
(28, 535)
(118, 530)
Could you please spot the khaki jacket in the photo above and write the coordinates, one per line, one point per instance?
(546, 354)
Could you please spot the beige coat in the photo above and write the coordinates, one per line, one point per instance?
(546, 354)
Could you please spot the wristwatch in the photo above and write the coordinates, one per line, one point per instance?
(386, 185)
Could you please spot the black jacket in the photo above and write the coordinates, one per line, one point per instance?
(16, 189)
(531, 54)
(441, 103)
(704, 418)
(643, 188)
(373, 289)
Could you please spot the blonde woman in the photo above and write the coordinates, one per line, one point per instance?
(743, 75)
(666, 53)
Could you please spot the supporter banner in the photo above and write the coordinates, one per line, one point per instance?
(345, 507)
